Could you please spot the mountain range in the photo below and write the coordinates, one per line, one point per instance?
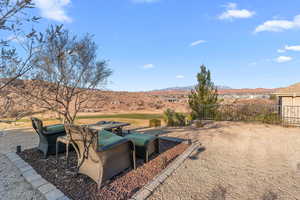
(185, 88)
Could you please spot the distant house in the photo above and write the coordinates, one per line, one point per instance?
(289, 103)
(289, 96)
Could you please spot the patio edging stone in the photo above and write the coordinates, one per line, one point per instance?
(48, 190)
(149, 188)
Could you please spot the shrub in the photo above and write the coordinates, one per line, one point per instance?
(189, 119)
(271, 118)
(169, 117)
(180, 119)
(154, 123)
(198, 123)
(273, 97)
(173, 118)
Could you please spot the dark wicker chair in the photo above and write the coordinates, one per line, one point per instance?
(48, 136)
(101, 154)
(145, 145)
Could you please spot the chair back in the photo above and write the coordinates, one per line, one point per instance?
(83, 137)
(37, 124)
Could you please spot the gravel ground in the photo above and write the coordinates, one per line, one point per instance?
(121, 187)
(12, 184)
(240, 161)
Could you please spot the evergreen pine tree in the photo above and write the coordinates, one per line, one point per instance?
(204, 96)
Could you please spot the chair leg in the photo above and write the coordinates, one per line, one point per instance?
(146, 156)
(56, 153)
(157, 146)
(45, 155)
(67, 154)
(133, 159)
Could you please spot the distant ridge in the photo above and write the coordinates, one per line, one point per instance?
(188, 88)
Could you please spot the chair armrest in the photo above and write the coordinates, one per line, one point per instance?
(50, 133)
(54, 128)
(113, 145)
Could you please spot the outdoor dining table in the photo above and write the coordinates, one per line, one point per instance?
(109, 126)
(112, 126)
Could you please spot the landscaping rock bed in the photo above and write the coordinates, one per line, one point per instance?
(123, 186)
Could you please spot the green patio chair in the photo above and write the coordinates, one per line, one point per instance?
(145, 145)
(48, 136)
(101, 154)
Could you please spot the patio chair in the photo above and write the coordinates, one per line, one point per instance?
(48, 136)
(145, 145)
(101, 154)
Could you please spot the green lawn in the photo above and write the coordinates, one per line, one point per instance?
(124, 116)
(141, 116)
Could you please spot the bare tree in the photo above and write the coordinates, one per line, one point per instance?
(13, 15)
(66, 70)
(16, 39)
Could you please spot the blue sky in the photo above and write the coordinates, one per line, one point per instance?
(152, 44)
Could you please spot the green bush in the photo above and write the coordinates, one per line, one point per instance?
(198, 123)
(173, 118)
(273, 97)
(169, 117)
(180, 119)
(154, 123)
(189, 119)
(271, 118)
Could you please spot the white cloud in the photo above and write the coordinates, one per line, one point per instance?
(279, 25)
(179, 76)
(233, 12)
(54, 9)
(195, 43)
(283, 59)
(281, 50)
(292, 48)
(145, 1)
(148, 66)
(289, 48)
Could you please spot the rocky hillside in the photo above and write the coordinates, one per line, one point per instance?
(102, 101)
(153, 101)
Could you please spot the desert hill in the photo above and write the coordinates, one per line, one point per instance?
(295, 88)
(151, 101)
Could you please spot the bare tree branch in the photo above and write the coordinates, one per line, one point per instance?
(66, 68)
(13, 17)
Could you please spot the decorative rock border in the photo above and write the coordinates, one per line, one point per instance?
(149, 188)
(49, 191)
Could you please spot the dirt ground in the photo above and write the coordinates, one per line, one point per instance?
(239, 161)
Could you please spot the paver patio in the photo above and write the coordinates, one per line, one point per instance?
(12, 185)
